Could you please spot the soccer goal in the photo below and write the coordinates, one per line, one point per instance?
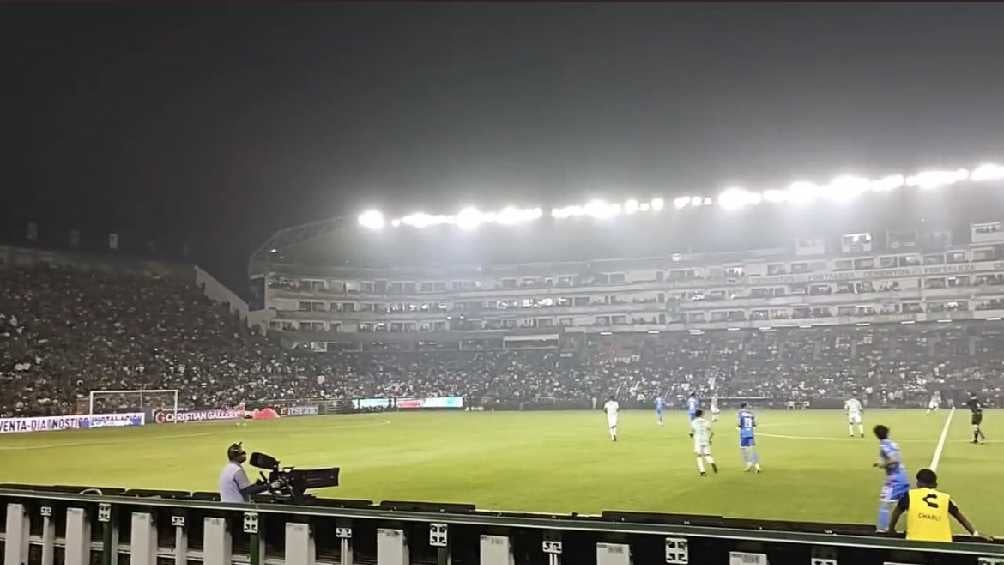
(139, 400)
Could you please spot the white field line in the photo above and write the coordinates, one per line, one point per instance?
(936, 458)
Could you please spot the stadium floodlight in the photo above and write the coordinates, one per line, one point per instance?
(511, 215)
(846, 187)
(775, 196)
(658, 204)
(696, 201)
(987, 171)
(566, 212)
(681, 202)
(631, 206)
(937, 179)
(396, 222)
(422, 220)
(469, 218)
(735, 198)
(601, 209)
(371, 219)
(888, 183)
(645, 207)
(803, 192)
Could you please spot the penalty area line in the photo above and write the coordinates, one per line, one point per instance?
(936, 458)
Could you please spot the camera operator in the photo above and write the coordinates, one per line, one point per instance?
(234, 484)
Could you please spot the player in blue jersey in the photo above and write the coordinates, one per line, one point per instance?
(896, 482)
(660, 404)
(693, 405)
(746, 425)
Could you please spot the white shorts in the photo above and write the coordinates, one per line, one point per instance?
(612, 422)
(854, 418)
(702, 450)
(934, 405)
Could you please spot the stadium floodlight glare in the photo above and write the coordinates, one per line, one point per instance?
(987, 171)
(469, 218)
(511, 215)
(937, 179)
(888, 183)
(735, 198)
(803, 192)
(396, 222)
(631, 206)
(681, 202)
(696, 201)
(371, 219)
(645, 207)
(847, 187)
(422, 220)
(658, 204)
(775, 196)
(601, 209)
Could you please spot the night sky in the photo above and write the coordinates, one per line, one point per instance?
(220, 125)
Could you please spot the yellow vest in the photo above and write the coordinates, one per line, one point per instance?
(928, 518)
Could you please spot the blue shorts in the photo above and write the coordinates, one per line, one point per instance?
(658, 412)
(893, 490)
(692, 415)
(747, 441)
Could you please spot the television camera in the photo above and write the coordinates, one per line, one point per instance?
(289, 485)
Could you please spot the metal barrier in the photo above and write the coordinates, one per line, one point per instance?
(60, 526)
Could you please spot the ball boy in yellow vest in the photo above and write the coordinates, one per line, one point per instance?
(927, 510)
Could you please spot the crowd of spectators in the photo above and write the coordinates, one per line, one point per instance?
(65, 332)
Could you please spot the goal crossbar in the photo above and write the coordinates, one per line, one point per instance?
(141, 392)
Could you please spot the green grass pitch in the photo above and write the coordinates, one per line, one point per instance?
(546, 461)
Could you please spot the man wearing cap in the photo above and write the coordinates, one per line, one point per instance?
(234, 484)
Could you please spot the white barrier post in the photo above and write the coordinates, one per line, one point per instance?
(392, 547)
(613, 554)
(552, 547)
(300, 546)
(496, 550)
(142, 539)
(343, 531)
(217, 545)
(180, 540)
(78, 537)
(16, 544)
(48, 535)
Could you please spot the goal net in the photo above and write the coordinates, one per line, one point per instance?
(128, 401)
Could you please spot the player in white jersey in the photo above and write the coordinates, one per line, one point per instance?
(714, 408)
(612, 408)
(934, 403)
(854, 410)
(701, 430)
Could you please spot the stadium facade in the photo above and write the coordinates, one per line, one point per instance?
(902, 276)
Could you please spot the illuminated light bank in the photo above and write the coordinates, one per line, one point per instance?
(840, 189)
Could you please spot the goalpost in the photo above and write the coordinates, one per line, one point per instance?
(136, 400)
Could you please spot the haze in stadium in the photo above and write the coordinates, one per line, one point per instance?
(723, 260)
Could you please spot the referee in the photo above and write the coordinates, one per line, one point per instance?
(927, 510)
(976, 409)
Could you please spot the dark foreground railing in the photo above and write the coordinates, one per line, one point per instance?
(59, 525)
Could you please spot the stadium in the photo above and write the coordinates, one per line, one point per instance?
(503, 283)
(383, 348)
